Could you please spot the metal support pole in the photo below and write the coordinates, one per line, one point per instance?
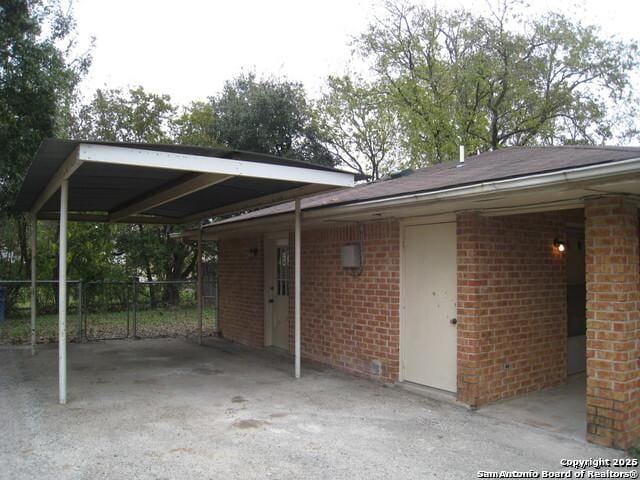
(200, 289)
(34, 279)
(297, 259)
(62, 293)
(217, 305)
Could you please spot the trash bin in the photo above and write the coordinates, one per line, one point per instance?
(2, 303)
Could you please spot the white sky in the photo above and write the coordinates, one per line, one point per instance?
(188, 48)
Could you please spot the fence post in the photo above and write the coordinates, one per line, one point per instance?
(135, 308)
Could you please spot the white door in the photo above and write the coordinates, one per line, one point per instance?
(429, 296)
(277, 293)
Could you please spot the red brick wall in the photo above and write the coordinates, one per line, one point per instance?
(613, 321)
(350, 321)
(241, 289)
(511, 302)
(511, 305)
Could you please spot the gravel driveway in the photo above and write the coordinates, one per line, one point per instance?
(169, 408)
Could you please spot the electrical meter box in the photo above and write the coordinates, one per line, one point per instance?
(351, 257)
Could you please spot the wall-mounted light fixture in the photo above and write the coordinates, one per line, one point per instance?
(561, 245)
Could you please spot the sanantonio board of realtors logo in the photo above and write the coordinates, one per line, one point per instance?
(509, 474)
(577, 468)
(597, 473)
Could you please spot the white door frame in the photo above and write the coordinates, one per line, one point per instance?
(280, 238)
(426, 220)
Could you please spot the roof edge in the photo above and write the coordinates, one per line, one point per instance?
(567, 175)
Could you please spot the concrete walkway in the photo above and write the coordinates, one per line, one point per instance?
(562, 409)
(170, 409)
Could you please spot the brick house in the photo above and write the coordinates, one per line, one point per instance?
(488, 279)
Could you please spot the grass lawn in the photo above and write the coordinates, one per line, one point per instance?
(168, 321)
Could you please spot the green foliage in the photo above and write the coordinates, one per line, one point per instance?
(359, 126)
(504, 79)
(196, 126)
(14, 255)
(118, 116)
(268, 116)
(168, 321)
(37, 79)
(92, 253)
(148, 250)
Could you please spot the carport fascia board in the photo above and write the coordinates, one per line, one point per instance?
(204, 164)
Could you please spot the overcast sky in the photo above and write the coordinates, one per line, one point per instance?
(188, 48)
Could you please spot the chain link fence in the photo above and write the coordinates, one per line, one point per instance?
(15, 324)
(109, 310)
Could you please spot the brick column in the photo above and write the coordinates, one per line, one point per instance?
(613, 321)
(473, 323)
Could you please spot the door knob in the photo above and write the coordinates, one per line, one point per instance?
(271, 300)
(453, 321)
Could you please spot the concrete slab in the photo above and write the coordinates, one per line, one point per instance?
(168, 408)
(561, 410)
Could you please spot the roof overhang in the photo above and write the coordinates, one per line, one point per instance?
(559, 190)
(143, 183)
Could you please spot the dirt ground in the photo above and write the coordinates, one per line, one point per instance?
(172, 409)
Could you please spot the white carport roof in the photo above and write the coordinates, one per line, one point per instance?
(126, 182)
(143, 183)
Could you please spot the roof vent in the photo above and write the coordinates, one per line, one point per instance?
(461, 163)
(402, 173)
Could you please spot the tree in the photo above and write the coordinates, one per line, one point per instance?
(132, 116)
(196, 125)
(507, 78)
(268, 116)
(149, 251)
(136, 115)
(359, 127)
(38, 78)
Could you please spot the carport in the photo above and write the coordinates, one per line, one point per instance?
(146, 183)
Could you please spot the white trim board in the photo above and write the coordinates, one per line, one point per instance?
(202, 164)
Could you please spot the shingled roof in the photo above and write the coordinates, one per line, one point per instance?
(502, 164)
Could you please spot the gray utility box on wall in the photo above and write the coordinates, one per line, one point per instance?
(351, 256)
